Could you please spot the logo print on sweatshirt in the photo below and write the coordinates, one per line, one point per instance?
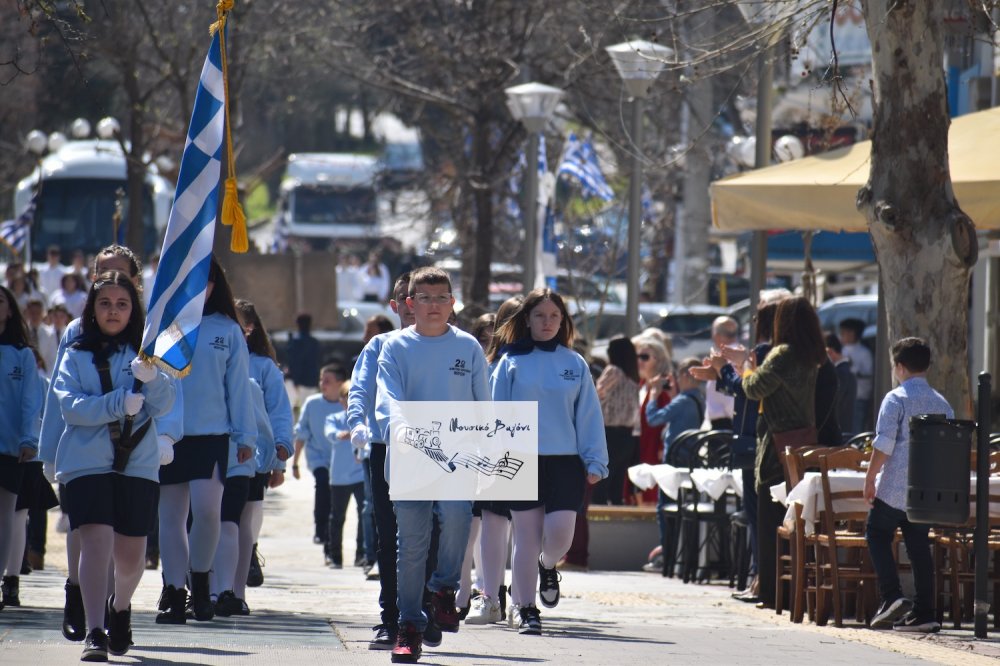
(570, 375)
(219, 343)
(16, 373)
(459, 369)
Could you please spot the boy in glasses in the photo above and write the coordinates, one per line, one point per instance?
(430, 360)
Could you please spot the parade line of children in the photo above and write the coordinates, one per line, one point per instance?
(135, 451)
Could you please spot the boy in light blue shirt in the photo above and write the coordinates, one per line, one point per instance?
(347, 478)
(429, 361)
(885, 491)
(309, 436)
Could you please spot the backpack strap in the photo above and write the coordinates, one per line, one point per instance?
(122, 449)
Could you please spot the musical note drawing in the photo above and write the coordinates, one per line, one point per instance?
(428, 441)
(506, 467)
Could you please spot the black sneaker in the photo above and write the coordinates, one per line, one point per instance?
(407, 649)
(228, 604)
(119, 629)
(502, 598)
(923, 623)
(548, 585)
(95, 646)
(384, 638)
(432, 632)
(530, 621)
(10, 589)
(891, 611)
(255, 577)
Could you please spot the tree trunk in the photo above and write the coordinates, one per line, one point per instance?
(482, 195)
(135, 167)
(925, 244)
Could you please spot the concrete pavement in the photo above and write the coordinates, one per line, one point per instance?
(308, 614)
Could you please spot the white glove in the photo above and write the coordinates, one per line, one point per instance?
(166, 446)
(360, 436)
(133, 403)
(142, 370)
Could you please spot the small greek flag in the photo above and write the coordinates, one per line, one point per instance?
(14, 233)
(579, 160)
(179, 289)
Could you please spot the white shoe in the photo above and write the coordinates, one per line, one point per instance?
(484, 611)
(512, 615)
(373, 573)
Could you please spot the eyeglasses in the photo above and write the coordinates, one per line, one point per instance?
(642, 357)
(427, 299)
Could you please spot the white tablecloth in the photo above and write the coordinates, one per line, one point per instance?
(809, 494)
(670, 479)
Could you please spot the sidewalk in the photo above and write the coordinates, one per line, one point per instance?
(308, 614)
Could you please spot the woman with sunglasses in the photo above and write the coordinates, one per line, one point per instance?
(652, 360)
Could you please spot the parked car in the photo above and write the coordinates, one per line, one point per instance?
(689, 326)
(863, 307)
(343, 344)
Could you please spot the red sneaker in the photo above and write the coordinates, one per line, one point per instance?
(408, 645)
(445, 614)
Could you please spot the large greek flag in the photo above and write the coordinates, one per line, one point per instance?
(14, 233)
(580, 161)
(179, 289)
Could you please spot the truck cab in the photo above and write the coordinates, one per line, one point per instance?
(327, 197)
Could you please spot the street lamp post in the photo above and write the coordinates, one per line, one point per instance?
(532, 104)
(639, 63)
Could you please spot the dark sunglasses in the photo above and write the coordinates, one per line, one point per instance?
(642, 357)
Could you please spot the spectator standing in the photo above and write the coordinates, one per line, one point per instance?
(303, 362)
(863, 367)
(719, 405)
(654, 361)
(50, 277)
(847, 385)
(72, 294)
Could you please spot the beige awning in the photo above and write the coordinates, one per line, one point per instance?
(818, 192)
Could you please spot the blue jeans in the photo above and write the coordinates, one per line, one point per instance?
(879, 533)
(414, 521)
(368, 513)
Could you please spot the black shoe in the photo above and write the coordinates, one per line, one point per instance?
(407, 649)
(95, 647)
(74, 626)
(201, 601)
(432, 632)
(548, 585)
(891, 611)
(384, 638)
(255, 577)
(25, 568)
(918, 623)
(360, 561)
(11, 591)
(152, 561)
(163, 603)
(176, 606)
(445, 615)
(119, 629)
(530, 621)
(229, 605)
(502, 598)
(463, 612)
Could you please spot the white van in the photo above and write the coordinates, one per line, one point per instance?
(328, 196)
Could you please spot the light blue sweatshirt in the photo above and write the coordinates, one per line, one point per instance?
(170, 424)
(361, 399)
(85, 445)
(265, 459)
(309, 429)
(21, 394)
(217, 390)
(279, 411)
(345, 469)
(569, 411)
(414, 367)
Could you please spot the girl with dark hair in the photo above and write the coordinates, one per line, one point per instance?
(538, 364)
(111, 505)
(270, 472)
(218, 415)
(618, 390)
(20, 405)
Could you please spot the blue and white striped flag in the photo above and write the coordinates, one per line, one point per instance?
(178, 297)
(14, 233)
(579, 160)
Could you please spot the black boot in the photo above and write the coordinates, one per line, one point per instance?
(164, 601)
(201, 601)
(119, 629)
(176, 599)
(74, 626)
(255, 577)
(11, 589)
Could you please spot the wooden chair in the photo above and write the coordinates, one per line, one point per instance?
(954, 562)
(840, 548)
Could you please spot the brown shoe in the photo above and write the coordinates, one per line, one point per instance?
(36, 560)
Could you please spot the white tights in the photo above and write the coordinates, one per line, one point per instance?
(98, 544)
(203, 497)
(493, 543)
(224, 566)
(538, 535)
(465, 581)
(250, 522)
(18, 537)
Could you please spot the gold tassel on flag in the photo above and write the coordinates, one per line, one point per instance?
(232, 211)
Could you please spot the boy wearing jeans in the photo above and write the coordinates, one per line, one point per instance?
(429, 361)
(885, 491)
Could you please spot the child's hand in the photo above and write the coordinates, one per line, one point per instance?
(343, 434)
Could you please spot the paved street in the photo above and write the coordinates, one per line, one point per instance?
(307, 614)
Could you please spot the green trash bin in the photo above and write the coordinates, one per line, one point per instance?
(940, 469)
